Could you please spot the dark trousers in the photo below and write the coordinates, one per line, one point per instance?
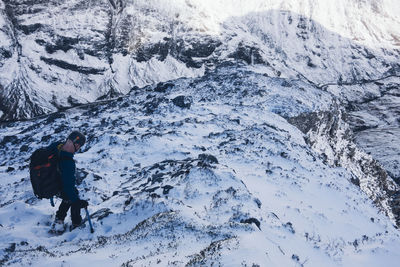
(75, 212)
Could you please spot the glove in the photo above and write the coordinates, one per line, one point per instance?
(82, 204)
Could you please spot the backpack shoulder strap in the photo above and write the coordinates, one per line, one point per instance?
(59, 147)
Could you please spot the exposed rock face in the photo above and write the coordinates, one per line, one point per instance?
(329, 134)
(374, 118)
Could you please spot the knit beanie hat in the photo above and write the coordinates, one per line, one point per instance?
(77, 138)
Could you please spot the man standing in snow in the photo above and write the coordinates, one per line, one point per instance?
(69, 194)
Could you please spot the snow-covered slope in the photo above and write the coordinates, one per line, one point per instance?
(194, 173)
(57, 54)
(232, 132)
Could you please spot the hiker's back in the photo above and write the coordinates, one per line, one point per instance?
(44, 172)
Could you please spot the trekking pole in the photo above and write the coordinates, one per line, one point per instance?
(90, 222)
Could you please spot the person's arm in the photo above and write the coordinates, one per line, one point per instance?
(67, 168)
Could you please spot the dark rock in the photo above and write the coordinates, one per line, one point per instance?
(249, 54)
(5, 53)
(200, 49)
(46, 138)
(192, 51)
(151, 190)
(166, 189)
(73, 102)
(24, 148)
(182, 101)
(145, 53)
(128, 201)
(284, 155)
(10, 169)
(68, 66)
(285, 83)
(252, 220)
(157, 178)
(208, 158)
(289, 226)
(9, 139)
(310, 63)
(151, 106)
(60, 129)
(154, 195)
(163, 87)
(28, 29)
(11, 248)
(101, 214)
(61, 43)
(188, 51)
(355, 181)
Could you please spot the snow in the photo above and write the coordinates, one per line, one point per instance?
(317, 41)
(169, 205)
(276, 197)
(350, 20)
(154, 71)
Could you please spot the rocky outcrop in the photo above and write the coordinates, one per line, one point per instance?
(329, 134)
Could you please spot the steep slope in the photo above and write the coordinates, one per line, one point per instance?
(195, 172)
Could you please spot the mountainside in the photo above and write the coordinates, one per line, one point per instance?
(56, 54)
(197, 172)
(219, 132)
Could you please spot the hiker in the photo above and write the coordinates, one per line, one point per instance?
(69, 194)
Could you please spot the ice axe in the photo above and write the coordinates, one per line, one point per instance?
(90, 222)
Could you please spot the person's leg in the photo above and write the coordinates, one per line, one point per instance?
(62, 210)
(58, 226)
(76, 215)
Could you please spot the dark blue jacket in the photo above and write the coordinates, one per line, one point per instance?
(67, 168)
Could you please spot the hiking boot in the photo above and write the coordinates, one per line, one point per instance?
(79, 226)
(58, 227)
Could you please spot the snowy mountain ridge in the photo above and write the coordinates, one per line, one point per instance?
(238, 133)
(50, 61)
